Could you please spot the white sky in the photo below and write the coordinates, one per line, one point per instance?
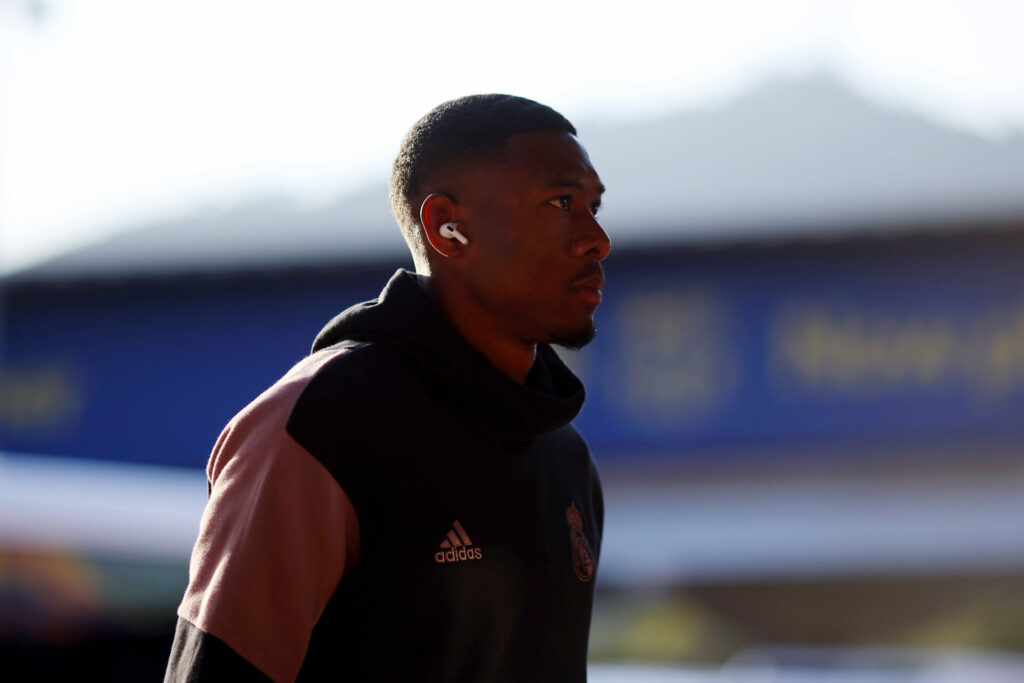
(117, 111)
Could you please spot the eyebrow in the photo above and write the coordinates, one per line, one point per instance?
(567, 182)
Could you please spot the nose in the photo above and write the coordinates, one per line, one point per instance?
(592, 242)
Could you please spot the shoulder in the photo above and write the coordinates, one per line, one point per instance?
(262, 423)
(349, 371)
(358, 390)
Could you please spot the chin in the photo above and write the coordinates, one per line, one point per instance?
(574, 337)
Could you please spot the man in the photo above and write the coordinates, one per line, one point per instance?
(410, 501)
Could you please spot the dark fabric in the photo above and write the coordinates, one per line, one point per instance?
(422, 431)
(405, 319)
(197, 656)
(479, 508)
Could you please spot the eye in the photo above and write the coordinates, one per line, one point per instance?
(595, 207)
(563, 202)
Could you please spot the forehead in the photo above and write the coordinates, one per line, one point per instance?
(547, 157)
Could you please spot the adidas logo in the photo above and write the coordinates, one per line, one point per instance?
(456, 547)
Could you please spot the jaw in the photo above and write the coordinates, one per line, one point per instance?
(574, 337)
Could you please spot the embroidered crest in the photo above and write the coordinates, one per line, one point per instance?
(582, 555)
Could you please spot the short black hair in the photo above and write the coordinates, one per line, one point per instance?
(452, 136)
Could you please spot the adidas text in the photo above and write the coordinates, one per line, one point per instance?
(458, 555)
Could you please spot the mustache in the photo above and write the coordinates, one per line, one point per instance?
(593, 269)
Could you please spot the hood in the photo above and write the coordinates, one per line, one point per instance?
(406, 318)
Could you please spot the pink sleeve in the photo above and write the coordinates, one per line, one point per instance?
(277, 535)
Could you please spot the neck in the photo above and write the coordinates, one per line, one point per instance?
(511, 357)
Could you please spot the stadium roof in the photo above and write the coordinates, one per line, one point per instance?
(789, 158)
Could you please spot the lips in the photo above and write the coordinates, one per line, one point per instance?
(589, 288)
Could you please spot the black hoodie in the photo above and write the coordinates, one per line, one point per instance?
(477, 506)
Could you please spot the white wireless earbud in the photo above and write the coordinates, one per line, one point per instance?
(451, 232)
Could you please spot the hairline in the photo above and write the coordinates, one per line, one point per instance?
(467, 153)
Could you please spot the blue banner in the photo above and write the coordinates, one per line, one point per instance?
(709, 350)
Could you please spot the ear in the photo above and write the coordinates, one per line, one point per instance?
(436, 210)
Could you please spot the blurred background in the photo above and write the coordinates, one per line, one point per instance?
(805, 397)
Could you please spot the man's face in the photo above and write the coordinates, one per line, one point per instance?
(533, 265)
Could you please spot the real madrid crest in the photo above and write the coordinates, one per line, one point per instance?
(582, 555)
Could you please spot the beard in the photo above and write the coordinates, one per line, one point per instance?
(578, 336)
(575, 337)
